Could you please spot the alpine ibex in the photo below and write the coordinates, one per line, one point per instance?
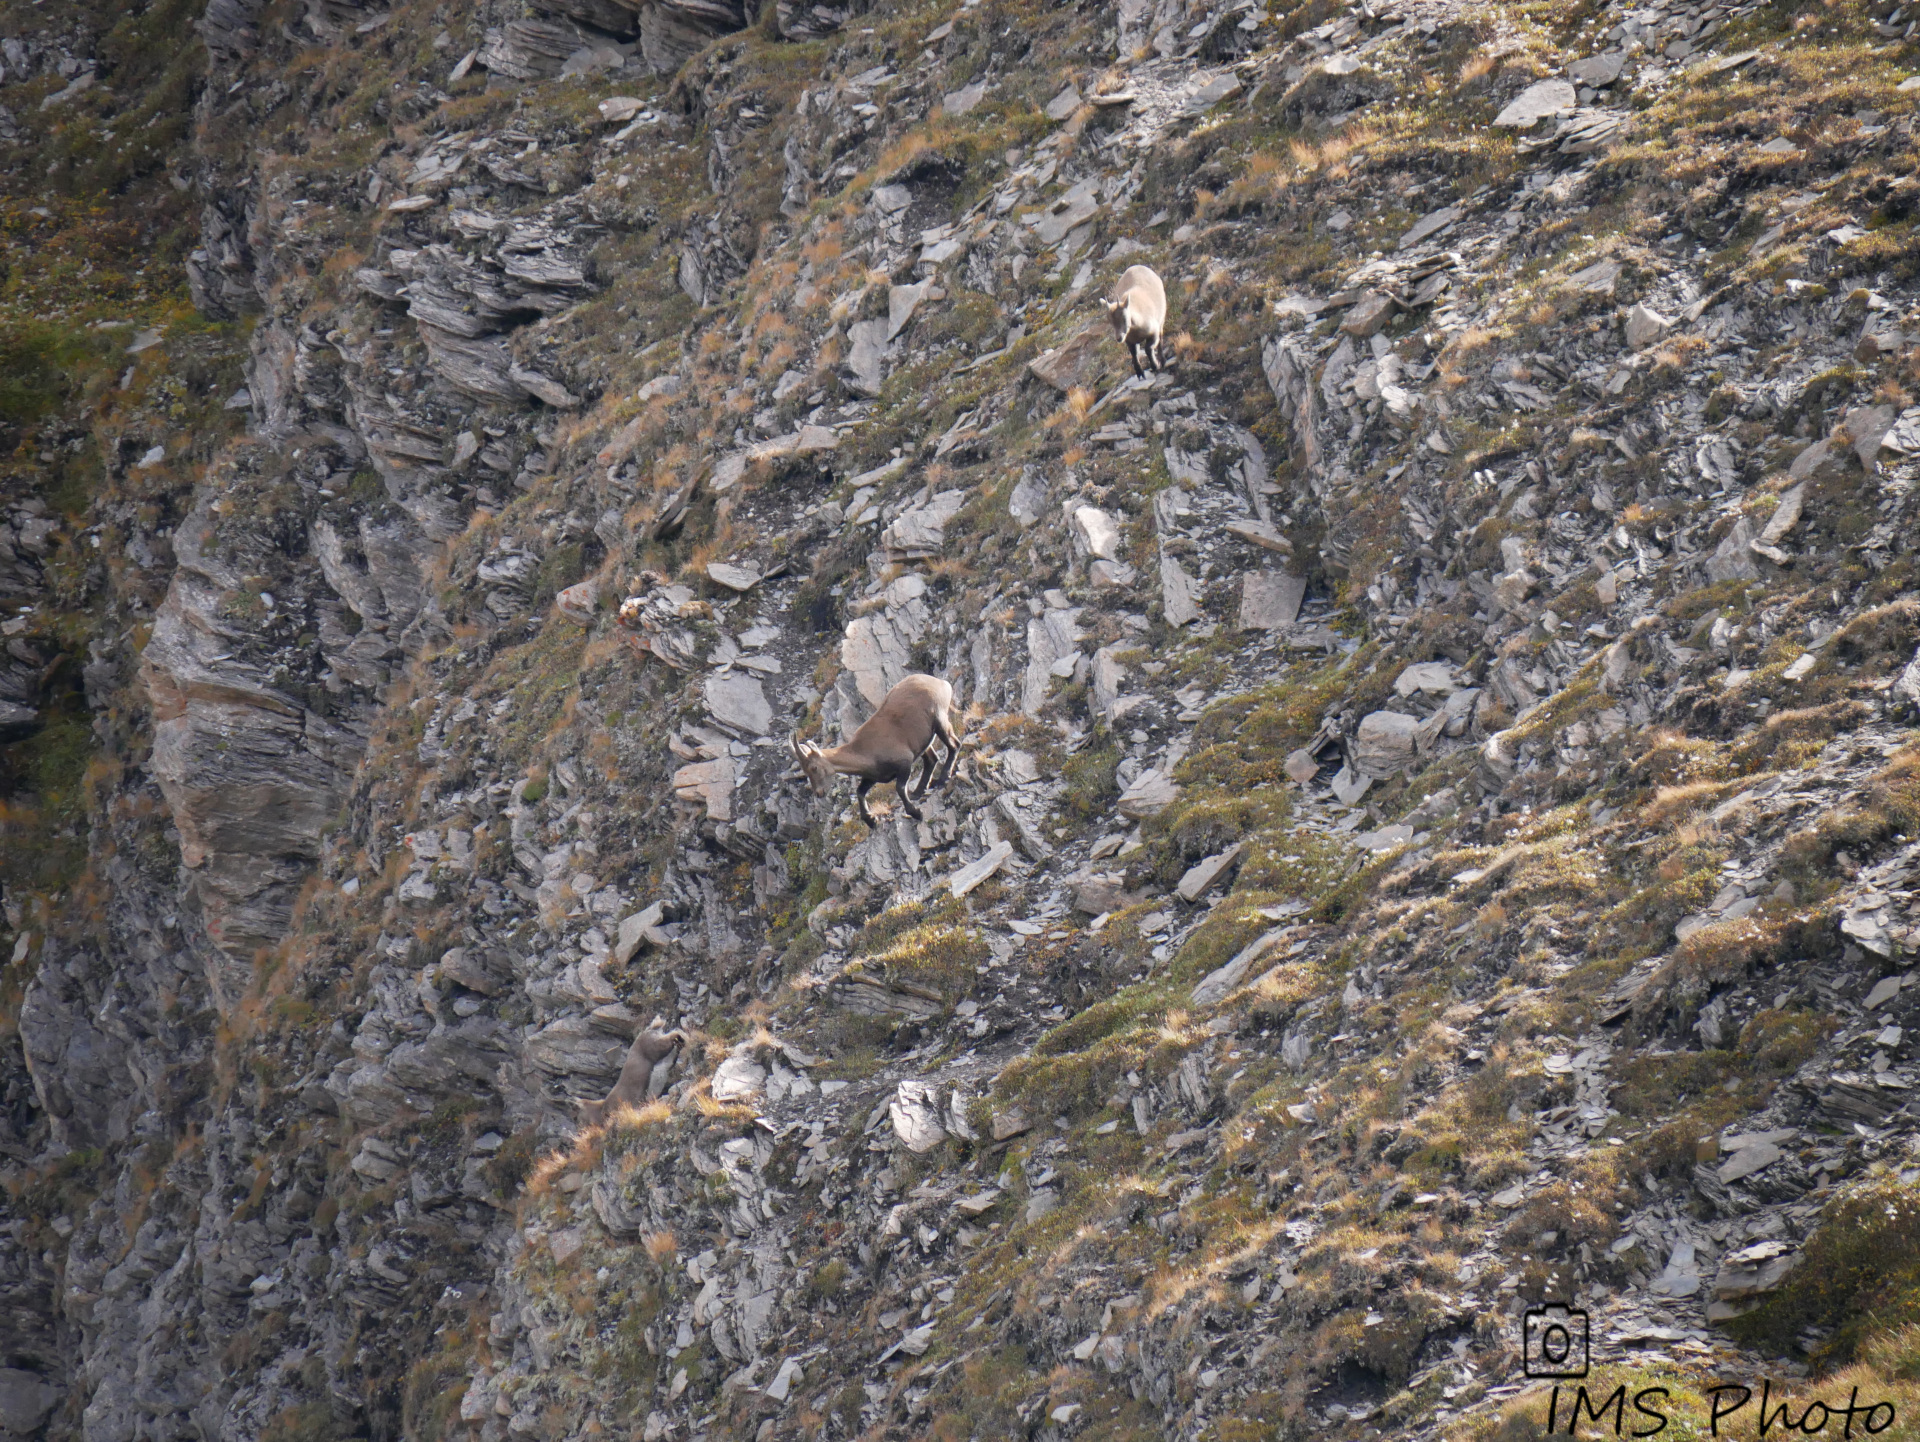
(1139, 315)
(643, 1076)
(900, 733)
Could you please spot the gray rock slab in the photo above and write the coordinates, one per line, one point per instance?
(1537, 102)
(738, 703)
(1430, 225)
(1435, 678)
(738, 1079)
(1097, 531)
(1176, 593)
(904, 300)
(1077, 363)
(1599, 70)
(965, 99)
(866, 356)
(1270, 600)
(975, 872)
(1150, 794)
(1385, 743)
(1200, 877)
(1645, 325)
(915, 1114)
(1217, 985)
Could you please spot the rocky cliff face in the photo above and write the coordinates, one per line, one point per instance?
(1438, 808)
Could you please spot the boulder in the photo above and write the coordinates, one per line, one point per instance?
(579, 602)
(737, 702)
(528, 49)
(1217, 985)
(919, 533)
(963, 100)
(1099, 895)
(476, 970)
(1430, 225)
(975, 872)
(1176, 593)
(26, 1400)
(1108, 675)
(1066, 215)
(1369, 314)
(707, 783)
(1434, 678)
(1150, 794)
(1537, 102)
(1732, 559)
(1262, 533)
(673, 31)
(573, 1047)
(1096, 531)
(1747, 1275)
(1785, 517)
(643, 927)
(1200, 877)
(1644, 326)
(866, 354)
(809, 22)
(1079, 363)
(1385, 743)
(1599, 70)
(904, 300)
(1270, 600)
(915, 1113)
(738, 1079)
(1821, 461)
(1865, 427)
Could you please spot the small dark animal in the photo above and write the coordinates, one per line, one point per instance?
(884, 750)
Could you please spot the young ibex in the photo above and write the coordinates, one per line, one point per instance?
(1139, 316)
(900, 733)
(643, 1076)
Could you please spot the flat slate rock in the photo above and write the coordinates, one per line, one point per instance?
(738, 703)
(1270, 600)
(1076, 363)
(1536, 103)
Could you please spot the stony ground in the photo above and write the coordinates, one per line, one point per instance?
(1438, 803)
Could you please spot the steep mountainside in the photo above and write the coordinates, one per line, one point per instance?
(1438, 816)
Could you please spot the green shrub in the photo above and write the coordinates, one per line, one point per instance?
(1858, 1277)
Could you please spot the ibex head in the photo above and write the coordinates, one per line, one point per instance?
(1117, 314)
(819, 774)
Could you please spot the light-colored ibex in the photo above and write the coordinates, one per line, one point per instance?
(900, 733)
(643, 1075)
(1139, 315)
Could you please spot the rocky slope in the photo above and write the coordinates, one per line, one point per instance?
(1438, 808)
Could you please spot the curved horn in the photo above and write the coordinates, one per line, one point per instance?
(798, 749)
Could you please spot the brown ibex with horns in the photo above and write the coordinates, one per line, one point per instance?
(884, 750)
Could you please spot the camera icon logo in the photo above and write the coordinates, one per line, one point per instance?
(1554, 1342)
